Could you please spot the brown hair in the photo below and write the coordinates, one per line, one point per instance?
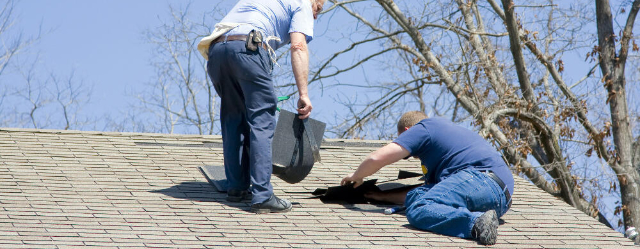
(409, 119)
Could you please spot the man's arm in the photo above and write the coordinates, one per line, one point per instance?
(300, 67)
(384, 156)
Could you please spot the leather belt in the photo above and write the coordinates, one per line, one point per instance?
(500, 183)
(223, 38)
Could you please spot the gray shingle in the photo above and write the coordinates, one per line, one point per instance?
(108, 189)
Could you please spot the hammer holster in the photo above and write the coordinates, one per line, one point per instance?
(253, 40)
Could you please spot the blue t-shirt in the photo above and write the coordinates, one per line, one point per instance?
(444, 148)
(273, 18)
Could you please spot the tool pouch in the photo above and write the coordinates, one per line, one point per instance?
(253, 39)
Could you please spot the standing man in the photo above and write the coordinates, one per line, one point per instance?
(240, 63)
(467, 184)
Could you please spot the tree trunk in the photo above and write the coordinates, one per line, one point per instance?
(612, 66)
(636, 154)
(549, 142)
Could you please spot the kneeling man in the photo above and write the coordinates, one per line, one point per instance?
(467, 184)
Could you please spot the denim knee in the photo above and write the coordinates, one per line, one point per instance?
(416, 194)
(420, 214)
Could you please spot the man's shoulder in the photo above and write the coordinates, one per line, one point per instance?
(297, 2)
(286, 4)
(290, 4)
(435, 123)
(439, 120)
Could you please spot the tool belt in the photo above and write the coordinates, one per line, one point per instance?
(500, 183)
(224, 38)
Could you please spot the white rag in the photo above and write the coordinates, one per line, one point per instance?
(221, 29)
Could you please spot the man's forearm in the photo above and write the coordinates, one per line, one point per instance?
(300, 66)
(368, 167)
(384, 156)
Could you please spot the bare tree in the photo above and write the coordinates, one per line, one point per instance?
(70, 94)
(29, 98)
(501, 67)
(182, 96)
(51, 101)
(11, 42)
(34, 97)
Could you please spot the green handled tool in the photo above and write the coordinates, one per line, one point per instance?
(281, 98)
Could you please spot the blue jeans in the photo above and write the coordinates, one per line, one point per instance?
(242, 79)
(452, 206)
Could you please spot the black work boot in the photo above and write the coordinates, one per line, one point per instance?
(485, 229)
(273, 205)
(234, 195)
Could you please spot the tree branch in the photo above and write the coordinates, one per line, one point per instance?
(627, 33)
(518, 57)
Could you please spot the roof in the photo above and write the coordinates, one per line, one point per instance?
(62, 189)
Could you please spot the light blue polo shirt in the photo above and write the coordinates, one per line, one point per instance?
(273, 18)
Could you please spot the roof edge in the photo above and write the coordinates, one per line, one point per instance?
(109, 133)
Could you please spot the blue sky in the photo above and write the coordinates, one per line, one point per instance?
(101, 40)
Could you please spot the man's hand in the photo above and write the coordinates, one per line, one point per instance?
(300, 66)
(350, 179)
(304, 107)
(384, 156)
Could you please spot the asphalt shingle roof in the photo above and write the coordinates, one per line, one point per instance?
(65, 189)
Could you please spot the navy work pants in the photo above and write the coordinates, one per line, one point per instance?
(242, 79)
(452, 206)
